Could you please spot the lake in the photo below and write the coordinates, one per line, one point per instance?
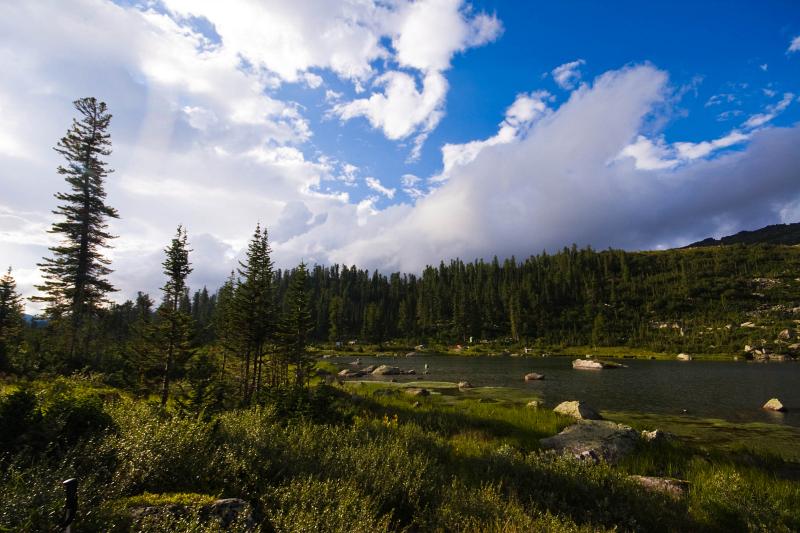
(729, 390)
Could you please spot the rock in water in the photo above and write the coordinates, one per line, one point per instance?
(774, 405)
(590, 364)
(577, 409)
(684, 357)
(386, 370)
(533, 376)
(594, 438)
(676, 488)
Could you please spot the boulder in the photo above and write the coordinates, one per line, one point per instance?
(417, 392)
(534, 404)
(786, 334)
(577, 409)
(774, 405)
(233, 510)
(533, 376)
(348, 373)
(386, 370)
(677, 488)
(594, 439)
(593, 364)
(684, 357)
(464, 385)
(587, 364)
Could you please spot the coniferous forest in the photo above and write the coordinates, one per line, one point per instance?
(166, 404)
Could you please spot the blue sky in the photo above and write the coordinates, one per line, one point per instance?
(396, 133)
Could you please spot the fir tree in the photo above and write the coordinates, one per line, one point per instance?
(296, 326)
(10, 318)
(75, 283)
(175, 323)
(255, 313)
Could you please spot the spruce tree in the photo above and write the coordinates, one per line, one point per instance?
(75, 283)
(10, 319)
(175, 323)
(254, 302)
(296, 326)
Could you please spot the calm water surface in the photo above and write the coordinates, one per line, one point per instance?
(733, 391)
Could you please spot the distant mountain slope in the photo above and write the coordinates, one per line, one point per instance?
(774, 234)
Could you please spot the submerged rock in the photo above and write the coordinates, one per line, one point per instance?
(677, 488)
(577, 409)
(533, 376)
(386, 370)
(595, 439)
(774, 405)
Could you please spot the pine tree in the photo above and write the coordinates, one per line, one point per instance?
(255, 311)
(296, 326)
(10, 318)
(175, 323)
(75, 283)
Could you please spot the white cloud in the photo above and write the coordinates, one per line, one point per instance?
(568, 74)
(771, 112)
(764, 67)
(519, 116)
(794, 46)
(377, 186)
(650, 155)
(401, 109)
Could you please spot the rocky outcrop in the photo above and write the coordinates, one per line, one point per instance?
(595, 440)
(578, 410)
(533, 376)
(677, 488)
(386, 370)
(226, 512)
(774, 405)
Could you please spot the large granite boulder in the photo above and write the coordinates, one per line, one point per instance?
(594, 439)
(577, 409)
(386, 370)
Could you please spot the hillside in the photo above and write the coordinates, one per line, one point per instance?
(788, 234)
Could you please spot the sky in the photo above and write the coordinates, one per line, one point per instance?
(392, 134)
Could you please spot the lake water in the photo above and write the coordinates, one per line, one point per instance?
(733, 391)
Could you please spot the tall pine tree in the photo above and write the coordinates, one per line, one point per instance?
(175, 323)
(75, 283)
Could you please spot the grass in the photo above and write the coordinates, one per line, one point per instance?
(375, 458)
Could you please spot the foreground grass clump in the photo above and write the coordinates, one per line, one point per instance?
(374, 460)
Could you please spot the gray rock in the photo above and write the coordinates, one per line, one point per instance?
(593, 364)
(654, 436)
(600, 439)
(577, 409)
(533, 376)
(774, 405)
(386, 370)
(677, 488)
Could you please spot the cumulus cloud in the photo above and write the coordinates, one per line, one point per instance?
(568, 74)
(563, 182)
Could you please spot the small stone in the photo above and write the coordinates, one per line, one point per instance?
(534, 404)
(533, 376)
(464, 385)
(774, 405)
(684, 357)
